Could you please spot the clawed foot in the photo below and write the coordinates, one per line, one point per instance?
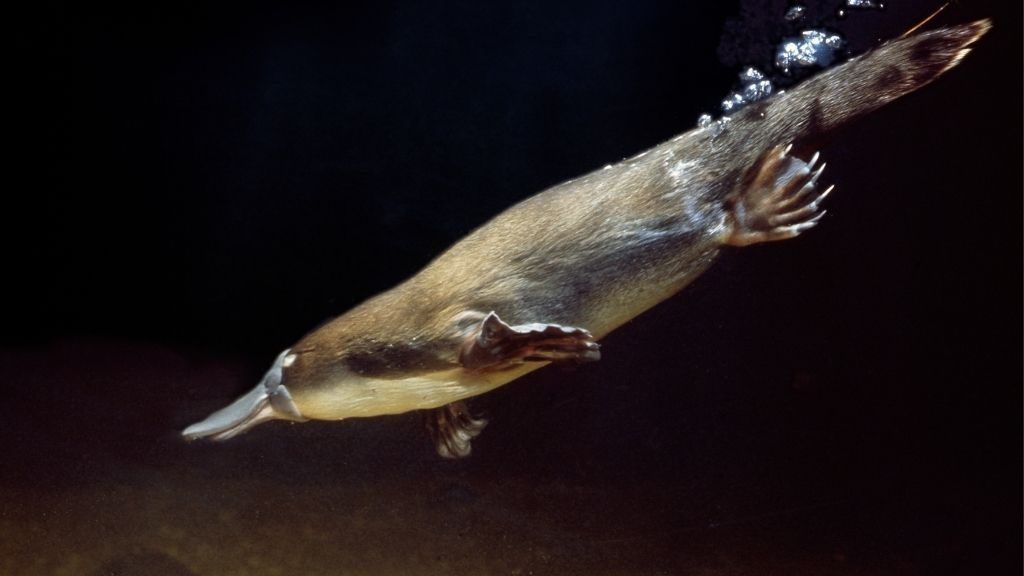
(495, 345)
(781, 202)
(452, 428)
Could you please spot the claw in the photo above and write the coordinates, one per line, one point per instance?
(780, 201)
(814, 160)
(810, 223)
(821, 197)
(814, 179)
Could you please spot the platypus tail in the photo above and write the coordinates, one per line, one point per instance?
(864, 83)
(269, 400)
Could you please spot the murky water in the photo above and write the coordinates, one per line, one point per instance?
(847, 403)
(575, 475)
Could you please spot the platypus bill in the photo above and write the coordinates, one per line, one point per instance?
(548, 278)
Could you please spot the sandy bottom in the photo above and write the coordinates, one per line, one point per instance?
(190, 522)
(96, 482)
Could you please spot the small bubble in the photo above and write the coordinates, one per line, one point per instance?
(720, 126)
(843, 11)
(757, 91)
(869, 4)
(704, 121)
(754, 87)
(795, 12)
(734, 101)
(811, 48)
(751, 74)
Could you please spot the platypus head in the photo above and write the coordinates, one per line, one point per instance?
(269, 400)
(303, 384)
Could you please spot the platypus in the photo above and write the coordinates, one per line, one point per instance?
(545, 280)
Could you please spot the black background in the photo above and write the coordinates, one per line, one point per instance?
(207, 183)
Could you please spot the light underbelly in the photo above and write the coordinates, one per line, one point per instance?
(379, 397)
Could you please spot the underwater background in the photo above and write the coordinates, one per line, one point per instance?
(197, 185)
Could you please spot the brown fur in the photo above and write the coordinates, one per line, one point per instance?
(574, 254)
(591, 253)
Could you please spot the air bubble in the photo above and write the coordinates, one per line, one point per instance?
(719, 126)
(757, 91)
(865, 4)
(750, 75)
(733, 102)
(754, 87)
(795, 12)
(843, 11)
(811, 48)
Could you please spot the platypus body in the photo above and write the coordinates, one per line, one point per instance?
(548, 278)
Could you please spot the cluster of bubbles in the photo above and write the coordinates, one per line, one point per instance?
(813, 47)
(755, 87)
(798, 11)
(706, 122)
(860, 5)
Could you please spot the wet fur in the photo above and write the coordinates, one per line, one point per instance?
(593, 252)
(598, 250)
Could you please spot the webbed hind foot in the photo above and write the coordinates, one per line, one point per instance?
(781, 202)
(452, 428)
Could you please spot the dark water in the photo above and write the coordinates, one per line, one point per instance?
(213, 182)
(580, 473)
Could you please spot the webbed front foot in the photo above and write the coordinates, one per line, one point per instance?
(781, 201)
(495, 345)
(452, 428)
